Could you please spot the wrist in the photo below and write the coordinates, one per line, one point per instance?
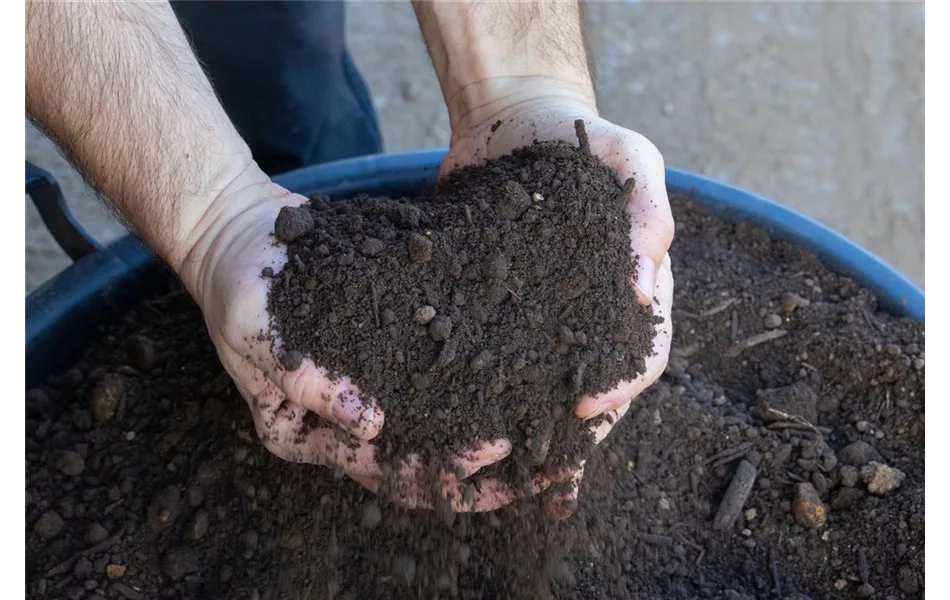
(485, 101)
(215, 218)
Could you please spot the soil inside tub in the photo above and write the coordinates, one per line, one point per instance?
(145, 478)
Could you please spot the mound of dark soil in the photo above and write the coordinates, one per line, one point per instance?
(479, 313)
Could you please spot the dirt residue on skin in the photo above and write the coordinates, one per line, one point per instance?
(175, 487)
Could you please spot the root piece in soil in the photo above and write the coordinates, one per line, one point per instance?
(736, 496)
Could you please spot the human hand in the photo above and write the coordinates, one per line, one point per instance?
(550, 115)
(224, 273)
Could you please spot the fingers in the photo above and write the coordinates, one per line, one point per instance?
(561, 504)
(601, 430)
(335, 399)
(648, 208)
(487, 453)
(481, 496)
(591, 406)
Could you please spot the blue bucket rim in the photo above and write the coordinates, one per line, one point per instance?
(408, 170)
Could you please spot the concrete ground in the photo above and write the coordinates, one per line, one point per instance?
(819, 106)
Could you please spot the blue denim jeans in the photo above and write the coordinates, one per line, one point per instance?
(284, 76)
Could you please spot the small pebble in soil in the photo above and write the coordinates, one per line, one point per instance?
(907, 580)
(862, 426)
(840, 584)
(514, 201)
(424, 314)
(859, 453)
(292, 359)
(880, 478)
(267, 272)
(164, 509)
(198, 526)
(96, 533)
(106, 396)
(82, 568)
(440, 328)
(70, 463)
(865, 590)
(179, 562)
(114, 571)
(790, 301)
(419, 248)
(847, 498)
(48, 525)
(292, 222)
(773, 322)
(372, 246)
(142, 353)
(481, 360)
(848, 475)
(807, 507)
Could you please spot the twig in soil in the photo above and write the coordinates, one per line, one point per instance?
(734, 327)
(864, 570)
(712, 312)
(513, 292)
(372, 290)
(870, 321)
(67, 564)
(468, 215)
(581, 130)
(655, 539)
(736, 496)
(755, 340)
(784, 420)
(628, 186)
(681, 538)
(686, 351)
(774, 574)
(729, 454)
(679, 313)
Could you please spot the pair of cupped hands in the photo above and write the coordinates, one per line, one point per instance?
(233, 298)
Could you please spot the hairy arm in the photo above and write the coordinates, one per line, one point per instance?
(491, 54)
(119, 88)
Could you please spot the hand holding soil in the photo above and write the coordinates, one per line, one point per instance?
(632, 156)
(298, 409)
(501, 308)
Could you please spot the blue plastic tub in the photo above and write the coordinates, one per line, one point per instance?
(65, 315)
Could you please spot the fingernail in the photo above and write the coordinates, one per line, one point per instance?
(498, 450)
(348, 409)
(597, 411)
(646, 278)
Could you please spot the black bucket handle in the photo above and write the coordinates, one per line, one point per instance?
(48, 198)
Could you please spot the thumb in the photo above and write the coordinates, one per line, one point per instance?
(648, 207)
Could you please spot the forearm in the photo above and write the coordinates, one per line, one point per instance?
(119, 88)
(490, 54)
